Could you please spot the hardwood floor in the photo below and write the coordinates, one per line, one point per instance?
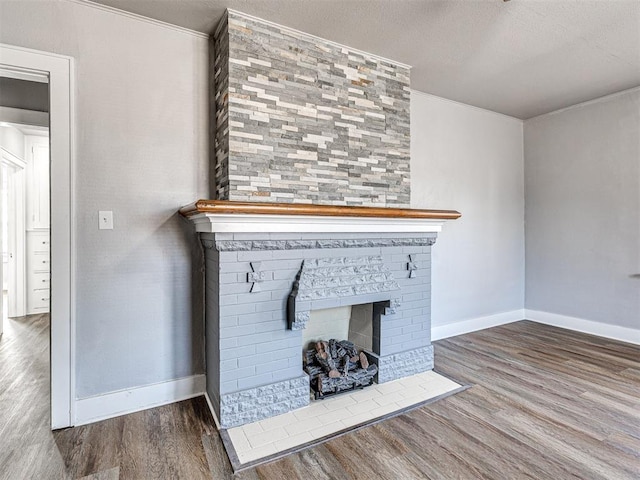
(546, 403)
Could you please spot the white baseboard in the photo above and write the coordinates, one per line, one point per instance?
(615, 332)
(439, 332)
(113, 404)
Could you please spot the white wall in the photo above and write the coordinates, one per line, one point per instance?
(12, 140)
(471, 160)
(583, 214)
(141, 151)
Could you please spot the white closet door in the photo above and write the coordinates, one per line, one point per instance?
(38, 183)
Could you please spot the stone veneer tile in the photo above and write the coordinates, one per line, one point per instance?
(299, 119)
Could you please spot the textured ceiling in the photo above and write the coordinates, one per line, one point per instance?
(521, 58)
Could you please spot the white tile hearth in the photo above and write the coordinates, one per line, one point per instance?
(309, 425)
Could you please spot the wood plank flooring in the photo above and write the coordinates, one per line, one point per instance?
(546, 403)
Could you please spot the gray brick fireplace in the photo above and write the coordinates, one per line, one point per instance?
(263, 281)
(312, 183)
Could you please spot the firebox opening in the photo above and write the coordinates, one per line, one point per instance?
(337, 346)
(357, 323)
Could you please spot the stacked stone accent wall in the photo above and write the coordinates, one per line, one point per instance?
(300, 119)
(254, 358)
(221, 99)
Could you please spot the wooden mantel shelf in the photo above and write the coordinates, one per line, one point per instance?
(220, 207)
(221, 216)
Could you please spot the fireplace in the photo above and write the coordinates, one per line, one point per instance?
(312, 175)
(270, 266)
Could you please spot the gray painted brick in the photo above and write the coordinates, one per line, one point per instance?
(230, 321)
(228, 257)
(287, 372)
(271, 326)
(393, 252)
(280, 295)
(256, 319)
(272, 366)
(280, 265)
(239, 309)
(413, 287)
(237, 373)
(412, 328)
(234, 288)
(255, 339)
(228, 343)
(238, 267)
(231, 364)
(416, 343)
(226, 278)
(271, 306)
(400, 338)
(238, 352)
(392, 332)
(255, 297)
(410, 305)
(251, 236)
(228, 300)
(237, 332)
(286, 353)
(325, 303)
(423, 318)
(255, 256)
(286, 255)
(229, 386)
(220, 236)
(400, 257)
(285, 236)
(255, 381)
(412, 297)
(412, 312)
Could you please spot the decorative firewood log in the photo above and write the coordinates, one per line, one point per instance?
(336, 366)
(364, 361)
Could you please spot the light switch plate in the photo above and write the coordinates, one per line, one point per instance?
(105, 220)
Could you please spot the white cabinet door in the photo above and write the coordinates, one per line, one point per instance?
(37, 182)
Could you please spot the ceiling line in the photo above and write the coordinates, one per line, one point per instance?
(140, 18)
(587, 102)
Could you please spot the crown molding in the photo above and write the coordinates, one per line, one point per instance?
(140, 18)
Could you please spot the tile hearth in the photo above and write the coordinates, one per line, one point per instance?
(273, 437)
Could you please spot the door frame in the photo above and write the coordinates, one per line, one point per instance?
(60, 71)
(17, 234)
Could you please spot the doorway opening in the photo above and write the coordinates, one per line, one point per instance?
(24, 220)
(56, 73)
